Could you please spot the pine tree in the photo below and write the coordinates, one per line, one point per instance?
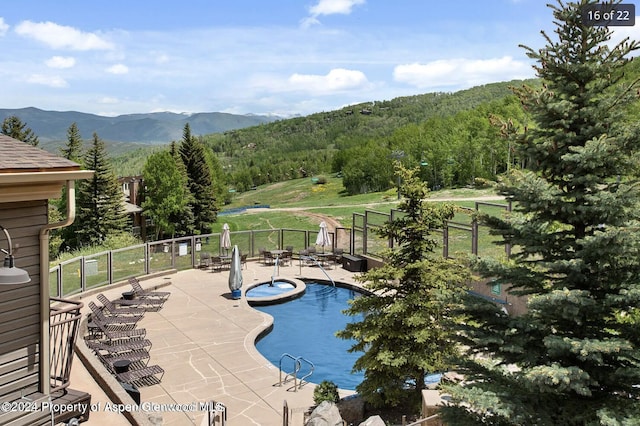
(203, 206)
(14, 127)
(100, 211)
(73, 149)
(574, 357)
(406, 330)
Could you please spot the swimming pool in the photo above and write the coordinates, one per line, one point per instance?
(306, 327)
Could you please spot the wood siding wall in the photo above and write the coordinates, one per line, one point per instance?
(20, 304)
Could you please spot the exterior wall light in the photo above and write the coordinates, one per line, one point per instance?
(9, 274)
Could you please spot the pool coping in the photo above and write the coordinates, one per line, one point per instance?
(297, 291)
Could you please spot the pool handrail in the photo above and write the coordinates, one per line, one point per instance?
(292, 375)
(315, 260)
(311, 369)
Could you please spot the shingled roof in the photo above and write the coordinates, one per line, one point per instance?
(17, 156)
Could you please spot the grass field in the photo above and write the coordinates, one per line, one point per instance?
(296, 204)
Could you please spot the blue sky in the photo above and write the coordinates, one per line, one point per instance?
(256, 56)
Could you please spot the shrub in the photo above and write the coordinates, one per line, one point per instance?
(326, 391)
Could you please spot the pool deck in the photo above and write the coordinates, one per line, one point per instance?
(204, 340)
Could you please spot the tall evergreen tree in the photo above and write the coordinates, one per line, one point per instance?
(71, 151)
(14, 127)
(73, 148)
(574, 357)
(100, 211)
(203, 206)
(406, 331)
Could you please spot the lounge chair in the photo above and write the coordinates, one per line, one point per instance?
(139, 357)
(145, 294)
(99, 329)
(142, 376)
(148, 304)
(119, 310)
(123, 321)
(119, 347)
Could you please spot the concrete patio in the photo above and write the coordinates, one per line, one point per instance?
(204, 340)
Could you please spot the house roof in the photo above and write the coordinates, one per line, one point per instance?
(17, 156)
(30, 173)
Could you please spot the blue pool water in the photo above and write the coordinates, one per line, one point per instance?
(306, 327)
(264, 290)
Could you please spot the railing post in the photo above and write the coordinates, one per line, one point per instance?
(110, 266)
(445, 241)
(59, 278)
(82, 276)
(285, 413)
(474, 237)
(147, 258)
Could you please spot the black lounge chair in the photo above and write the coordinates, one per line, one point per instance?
(119, 310)
(145, 294)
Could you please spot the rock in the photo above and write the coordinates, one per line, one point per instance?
(373, 421)
(325, 414)
(351, 409)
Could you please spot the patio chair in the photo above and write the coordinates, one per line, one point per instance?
(261, 252)
(268, 258)
(125, 322)
(243, 260)
(116, 310)
(286, 258)
(216, 264)
(144, 294)
(205, 259)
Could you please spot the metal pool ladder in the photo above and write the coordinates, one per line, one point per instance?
(293, 375)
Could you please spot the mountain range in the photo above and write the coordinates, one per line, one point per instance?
(150, 128)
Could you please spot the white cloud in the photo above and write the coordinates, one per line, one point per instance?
(461, 72)
(329, 7)
(62, 37)
(47, 80)
(118, 69)
(61, 62)
(3, 27)
(336, 80)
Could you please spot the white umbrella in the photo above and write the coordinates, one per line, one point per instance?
(323, 236)
(225, 239)
(235, 273)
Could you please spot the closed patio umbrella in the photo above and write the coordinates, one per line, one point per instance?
(235, 274)
(323, 236)
(225, 238)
